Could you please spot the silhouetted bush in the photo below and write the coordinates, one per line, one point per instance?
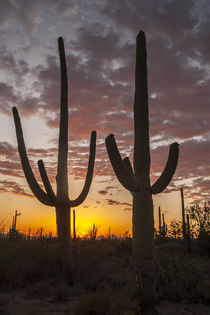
(103, 274)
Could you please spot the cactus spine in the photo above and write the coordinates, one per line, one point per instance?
(183, 215)
(61, 200)
(137, 181)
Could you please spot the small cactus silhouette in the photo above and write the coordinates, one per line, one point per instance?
(61, 200)
(13, 233)
(137, 181)
(188, 236)
(183, 215)
(162, 228)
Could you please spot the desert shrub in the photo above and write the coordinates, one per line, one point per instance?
(57, 289)
(181, 277)
(110, 302)
(204, 289)
(23, 262)
(92, 304)
(102, 268)
(202, 247)
(61, 292)
(41, 289)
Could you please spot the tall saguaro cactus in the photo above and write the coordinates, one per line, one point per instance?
(137, 181)
(61, 200)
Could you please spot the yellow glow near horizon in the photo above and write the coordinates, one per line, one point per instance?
(34, 215)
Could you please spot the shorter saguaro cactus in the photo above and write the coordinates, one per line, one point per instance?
(61, 200)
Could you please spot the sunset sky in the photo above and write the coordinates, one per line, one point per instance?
(99, 38)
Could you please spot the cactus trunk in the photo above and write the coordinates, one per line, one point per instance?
(143, 234)
(143, 244)
(63, 222)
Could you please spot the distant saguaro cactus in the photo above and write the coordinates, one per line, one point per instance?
(138, 181)
(188, 225)
(188, 237)
(15, 219)
(29, 234)
(13, 232)
(159, 215)
(61, 200)
(164, 228)
(183, 215)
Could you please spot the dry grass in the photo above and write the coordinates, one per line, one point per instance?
(102, 279)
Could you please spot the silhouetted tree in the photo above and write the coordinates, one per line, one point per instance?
(201, 219)
(175, 229)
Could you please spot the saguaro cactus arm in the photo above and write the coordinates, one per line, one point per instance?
(169, 170)
(127, 163)
(41, 195)
(46, 181)
(89, 175)
(121, 170)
